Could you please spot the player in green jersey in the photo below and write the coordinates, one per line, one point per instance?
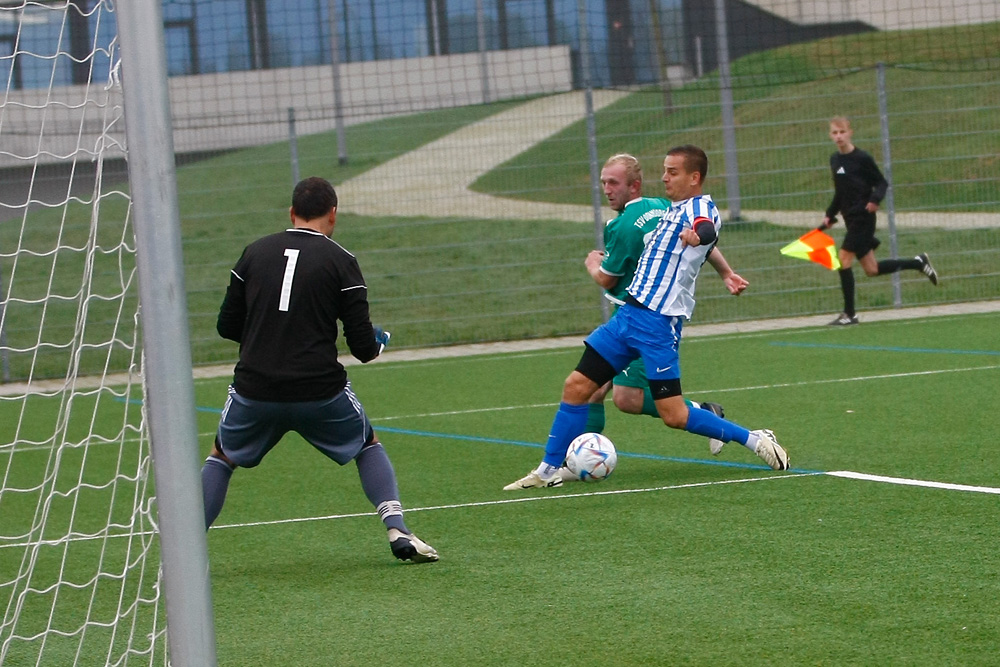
(624, 238)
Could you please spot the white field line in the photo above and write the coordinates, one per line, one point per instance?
(779, 385)
(484, 503)
(913, 482)
(846, 474)
(529, 499)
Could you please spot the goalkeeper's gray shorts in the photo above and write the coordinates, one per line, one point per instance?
(336, 426)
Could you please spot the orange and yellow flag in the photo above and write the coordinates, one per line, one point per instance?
(816, 246)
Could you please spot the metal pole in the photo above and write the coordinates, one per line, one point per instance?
(661, 56)
(338, 110)
(699, 67)
(595, 173)
(293, 145)
(484, 68)
(164, 316)
(728, 113)
(435, 28)
(4, 358)
(890, 204)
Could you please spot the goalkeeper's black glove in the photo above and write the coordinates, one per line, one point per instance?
(382, 338)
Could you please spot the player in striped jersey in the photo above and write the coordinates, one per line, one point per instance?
(625, 236)
(659, 299)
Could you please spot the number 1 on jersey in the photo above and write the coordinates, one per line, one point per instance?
(286, 283)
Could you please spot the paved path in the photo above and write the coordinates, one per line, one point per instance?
(434, 180)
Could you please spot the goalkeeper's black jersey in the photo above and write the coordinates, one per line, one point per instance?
(856, 181)
(285, 295)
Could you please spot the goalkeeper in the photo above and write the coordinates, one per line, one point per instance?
(285, 296)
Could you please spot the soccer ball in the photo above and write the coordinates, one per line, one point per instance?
(591, 457)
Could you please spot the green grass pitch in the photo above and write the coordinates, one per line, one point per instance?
(679, 557)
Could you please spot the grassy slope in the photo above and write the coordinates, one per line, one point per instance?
(786, 96)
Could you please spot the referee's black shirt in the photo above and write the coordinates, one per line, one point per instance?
(285, 295)
(856, 181)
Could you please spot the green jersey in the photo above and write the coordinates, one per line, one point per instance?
(624, 238)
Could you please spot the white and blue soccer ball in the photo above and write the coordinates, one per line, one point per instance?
(591, 457)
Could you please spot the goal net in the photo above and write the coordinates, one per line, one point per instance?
(80, 575)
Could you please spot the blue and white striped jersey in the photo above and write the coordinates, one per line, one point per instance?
(665, 278)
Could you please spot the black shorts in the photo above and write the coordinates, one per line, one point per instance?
(860, 238)
(336, 426)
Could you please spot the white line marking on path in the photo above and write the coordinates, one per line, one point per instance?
(913, 482)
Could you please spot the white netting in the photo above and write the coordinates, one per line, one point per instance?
(79, 559)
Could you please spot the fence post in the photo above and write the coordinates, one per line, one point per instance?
(484, 68)
(338, 109)
(595, 174)
(661, 56)
(4, 359)
(293, 145)
(890, 204)
(728, 113)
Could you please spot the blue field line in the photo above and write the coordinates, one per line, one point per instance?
(521, 443)
(633, 455)
(197, 408)
(879, 348)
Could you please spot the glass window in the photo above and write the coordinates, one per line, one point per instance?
(223, 38)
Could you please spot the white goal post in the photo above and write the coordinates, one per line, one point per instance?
(103, 556)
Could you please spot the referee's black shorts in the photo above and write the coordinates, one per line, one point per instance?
(860, 238)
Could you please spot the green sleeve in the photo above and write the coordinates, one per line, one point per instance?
(623, 247)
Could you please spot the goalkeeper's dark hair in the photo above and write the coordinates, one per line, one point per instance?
(313, 198)
(695, 159)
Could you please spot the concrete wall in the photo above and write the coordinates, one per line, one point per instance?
(235, 109)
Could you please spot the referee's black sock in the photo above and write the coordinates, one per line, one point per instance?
(847, 286)
(893, 265)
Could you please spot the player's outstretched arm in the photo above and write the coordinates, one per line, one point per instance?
(735, 283)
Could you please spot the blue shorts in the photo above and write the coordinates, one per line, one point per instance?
(336, 426)
(637, 333)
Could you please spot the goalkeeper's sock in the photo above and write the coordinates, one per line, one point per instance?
(595, 418)
(215, 476)
(378, 481)
(569, 422)
(706, 423)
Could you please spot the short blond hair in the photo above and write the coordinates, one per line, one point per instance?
(841, 121)
(633, 170)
